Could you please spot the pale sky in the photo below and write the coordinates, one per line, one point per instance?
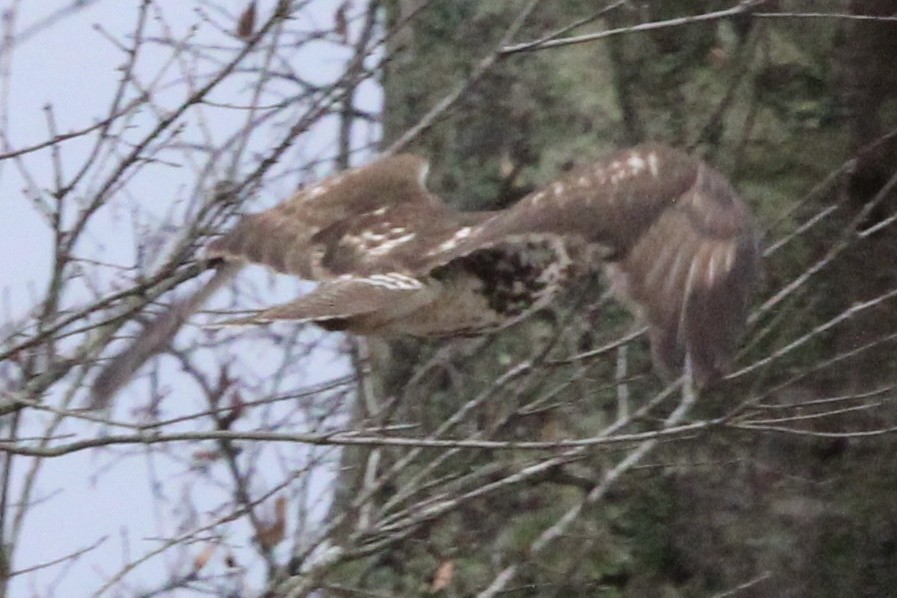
(69, 65)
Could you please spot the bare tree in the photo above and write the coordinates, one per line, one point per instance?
(236, 109)
(283, 461)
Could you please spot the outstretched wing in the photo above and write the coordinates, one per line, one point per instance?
(350, 303)
(374, 237)
(285, 237)
(406, 238)
(679, 246)
(691, 274)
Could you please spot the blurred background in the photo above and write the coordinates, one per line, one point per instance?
(545, 460)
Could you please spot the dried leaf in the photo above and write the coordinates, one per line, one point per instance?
(341, 22)
(443, 576)
(280, 509)
(246, 24)
(205, 456)
(271, 534)
(236, 410)
(203, 557)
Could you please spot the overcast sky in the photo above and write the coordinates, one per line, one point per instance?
(68, 64)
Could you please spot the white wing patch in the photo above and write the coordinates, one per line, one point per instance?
(318, 190)
(322, 188)
(395, 281)
(536, 199)
(636, 164)
(379, 243)
(720, 262)
(620, 170)
(422, 175)
(452, 242)
(653, 165)
(390, 244)
(730, 256)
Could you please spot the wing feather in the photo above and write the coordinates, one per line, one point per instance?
(691, 275)
(680, 246)
(352, 303)
(282, 237)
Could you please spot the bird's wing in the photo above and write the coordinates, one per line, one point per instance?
(409, 238)
(691, 279)
(376, 219)
(283, 236)
(282, 239)
(338, 304)
(680, 246)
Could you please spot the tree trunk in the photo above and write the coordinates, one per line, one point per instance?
(777, 514)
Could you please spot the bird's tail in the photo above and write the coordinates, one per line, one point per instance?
(155, 337)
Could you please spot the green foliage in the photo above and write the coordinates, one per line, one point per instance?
(761, 101)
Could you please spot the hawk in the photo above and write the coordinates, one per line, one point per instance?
(678, 245)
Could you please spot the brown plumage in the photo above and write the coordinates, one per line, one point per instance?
(678, 245)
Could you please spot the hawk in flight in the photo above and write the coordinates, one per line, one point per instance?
(678, 245)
